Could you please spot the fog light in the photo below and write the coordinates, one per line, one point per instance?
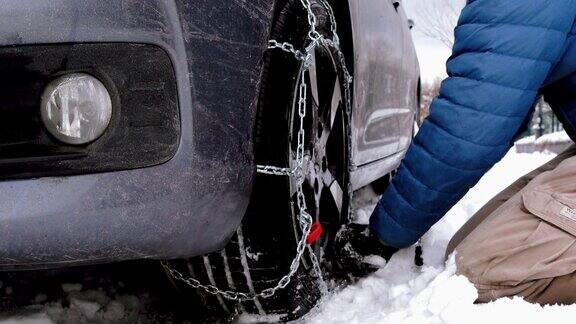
(76, 108)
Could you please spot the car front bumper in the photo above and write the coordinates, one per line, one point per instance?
(186, 206)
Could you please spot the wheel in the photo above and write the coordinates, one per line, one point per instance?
(261, 251)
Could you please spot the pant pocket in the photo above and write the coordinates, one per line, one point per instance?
(526, 240)
(553, 208)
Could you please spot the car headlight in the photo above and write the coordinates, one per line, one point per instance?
(76, 108)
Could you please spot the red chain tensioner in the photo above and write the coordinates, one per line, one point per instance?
(315, 232)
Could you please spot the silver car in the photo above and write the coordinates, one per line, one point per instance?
(199, 132)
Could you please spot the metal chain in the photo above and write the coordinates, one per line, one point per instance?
(318, 271)
(333, 24)
(313, 34)
(272, 170)
(304, 218)
(287, 47)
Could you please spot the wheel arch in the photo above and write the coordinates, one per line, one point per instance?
(344, 21)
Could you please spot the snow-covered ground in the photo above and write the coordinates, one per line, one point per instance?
(557, 137)
(401, 293)
(128, 292)
(554, 142)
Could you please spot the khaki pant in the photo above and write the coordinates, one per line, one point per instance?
(523, 242)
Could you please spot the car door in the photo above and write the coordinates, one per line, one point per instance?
(380, 88)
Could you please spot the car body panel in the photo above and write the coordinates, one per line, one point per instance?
(187, 206)
(385, 88)
(410, 77)
(193, 203)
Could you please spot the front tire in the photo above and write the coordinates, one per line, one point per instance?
(261, 251)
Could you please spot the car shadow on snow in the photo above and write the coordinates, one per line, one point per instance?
(126, 292)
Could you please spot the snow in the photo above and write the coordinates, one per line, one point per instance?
(399, 293)
(32, 319)
(551, 143)
(364, 202)
(87, 308)
(402, 293)
(93, 306)
(557, 137)
(70, 287)
(251, 255)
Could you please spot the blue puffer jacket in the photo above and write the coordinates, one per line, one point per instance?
(506, 54)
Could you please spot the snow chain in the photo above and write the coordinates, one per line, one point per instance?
(304, 218)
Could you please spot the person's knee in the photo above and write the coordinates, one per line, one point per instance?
(468, 267)
(488, 280)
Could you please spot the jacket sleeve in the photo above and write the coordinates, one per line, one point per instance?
(503, 52)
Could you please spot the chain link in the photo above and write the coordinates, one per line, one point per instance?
(313, 34)
(333, 24)
(286, 47)
(272, 170)
(304, 218)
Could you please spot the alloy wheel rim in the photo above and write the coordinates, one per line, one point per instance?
(326, 162)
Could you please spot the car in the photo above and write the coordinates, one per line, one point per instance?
(201, 132)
